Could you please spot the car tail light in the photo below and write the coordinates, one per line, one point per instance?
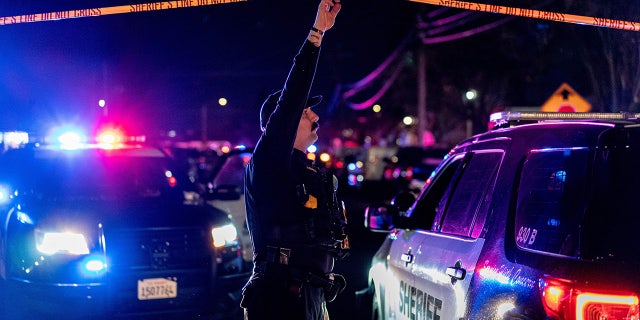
(565, 300)
(388, 174)
(408, 174)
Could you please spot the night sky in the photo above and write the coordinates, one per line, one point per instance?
(157, 70)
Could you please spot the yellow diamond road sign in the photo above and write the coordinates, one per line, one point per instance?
(565, 99)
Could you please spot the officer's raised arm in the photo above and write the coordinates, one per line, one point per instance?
(294, 217)
(325, 18)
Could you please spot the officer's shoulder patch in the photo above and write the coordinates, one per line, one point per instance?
(312, 203)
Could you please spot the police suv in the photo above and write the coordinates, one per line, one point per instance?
(534, 219)
(103, 230)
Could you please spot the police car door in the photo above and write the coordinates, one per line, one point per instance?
(449, 251)
(404, 245)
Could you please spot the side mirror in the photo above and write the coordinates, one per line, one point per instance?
(225, 192)
(393, 216)
(378, 219)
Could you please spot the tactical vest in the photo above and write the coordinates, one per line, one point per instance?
(325, 216)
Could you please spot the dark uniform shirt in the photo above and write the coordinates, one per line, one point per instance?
(275, 207)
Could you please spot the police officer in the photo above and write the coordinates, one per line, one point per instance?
(296, 222)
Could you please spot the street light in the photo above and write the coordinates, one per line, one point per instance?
(470, 98)
(407, 120)
(103, 104)
(471, 94)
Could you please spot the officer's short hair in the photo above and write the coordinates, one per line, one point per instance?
(269, 105)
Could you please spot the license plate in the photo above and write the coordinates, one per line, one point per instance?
(157, 288)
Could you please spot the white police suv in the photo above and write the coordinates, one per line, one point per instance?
(534, 219)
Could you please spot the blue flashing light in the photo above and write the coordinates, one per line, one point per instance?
(94, 265)
(68, 137)
(70, 140)
(5, 194)
(351, 166)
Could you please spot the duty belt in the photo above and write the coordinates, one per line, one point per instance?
(278, 255)
(277, 261)
(305, 277)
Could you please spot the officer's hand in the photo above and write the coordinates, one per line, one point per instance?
(326, 16)
(339, 283)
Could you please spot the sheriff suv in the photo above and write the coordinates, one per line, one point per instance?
(107, 231)
(534, 219)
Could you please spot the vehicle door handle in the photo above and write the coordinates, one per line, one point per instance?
(407, 258)
(456, 272)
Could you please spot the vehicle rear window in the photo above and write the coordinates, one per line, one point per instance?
(612, 221)
(551, 200)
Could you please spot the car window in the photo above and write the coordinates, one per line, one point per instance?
(232, 172)
(463, 207)
(551, 200)
(612, 210)
(423, 213)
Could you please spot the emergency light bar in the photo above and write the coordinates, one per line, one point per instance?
(500, 119)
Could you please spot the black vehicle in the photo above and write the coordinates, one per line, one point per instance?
(225, 191)
(98, 231)
(410, 167)
(534, 219)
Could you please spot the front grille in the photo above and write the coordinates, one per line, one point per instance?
(158, 248)
(182, 254)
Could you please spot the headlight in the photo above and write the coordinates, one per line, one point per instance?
(5, 194)
(61, 242)
(224, 236)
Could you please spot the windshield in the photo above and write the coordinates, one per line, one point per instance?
(87, 175)
(233, 169)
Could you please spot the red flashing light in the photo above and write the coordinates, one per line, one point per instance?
(565, 301)
(110, 136)
(172, 181)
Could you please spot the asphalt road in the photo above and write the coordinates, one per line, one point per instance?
(364, 244)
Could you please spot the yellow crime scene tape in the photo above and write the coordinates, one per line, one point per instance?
(97, 12)
(537, 14)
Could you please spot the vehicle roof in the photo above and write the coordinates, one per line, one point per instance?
(44, 151)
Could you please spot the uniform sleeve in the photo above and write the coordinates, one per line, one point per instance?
(280, 133)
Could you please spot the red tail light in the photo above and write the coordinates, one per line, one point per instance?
(565, 300)
(172, 181)
(408, 174)
(388, 174)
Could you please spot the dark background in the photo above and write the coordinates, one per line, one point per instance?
(158, 70)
